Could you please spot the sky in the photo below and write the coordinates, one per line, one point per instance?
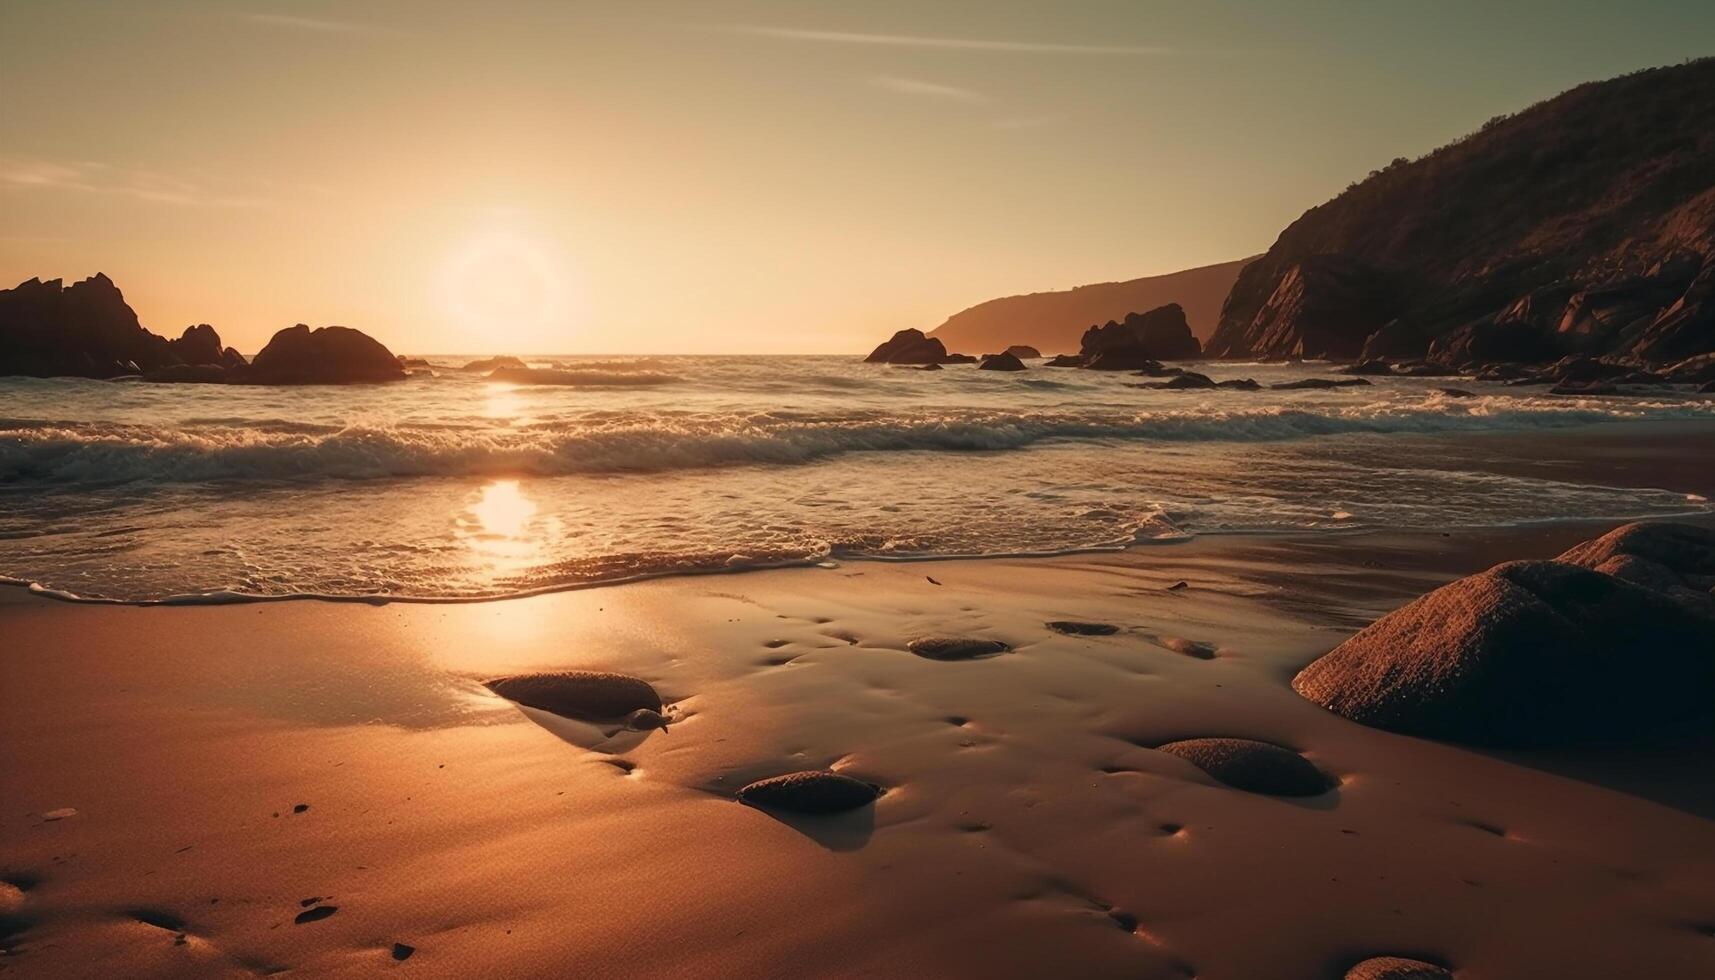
(720, 176)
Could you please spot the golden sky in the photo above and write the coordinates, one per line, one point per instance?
(565, 177)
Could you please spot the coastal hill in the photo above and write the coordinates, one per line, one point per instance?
(1054, 321)
(1584, 224)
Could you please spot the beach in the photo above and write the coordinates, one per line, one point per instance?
(186, 782)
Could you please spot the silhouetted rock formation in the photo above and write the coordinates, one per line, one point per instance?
(326, 355)
(487, 364)
(1584, 224)
(1004, 361)
(1536, 652)
(1055, 320)
(1142, 340)
(910, 347)
(85, 330)
(1023, 351)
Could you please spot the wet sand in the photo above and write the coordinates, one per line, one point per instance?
(1028, 828)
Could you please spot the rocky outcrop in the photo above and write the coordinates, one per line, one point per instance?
(1583, 224)
(326, 355)
(1004, 361)
(85, 330)
(1613, 640)
(1141, 340)
(909, 347)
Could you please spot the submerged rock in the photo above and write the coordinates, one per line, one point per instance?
(819, 791)
(1256, 767)
(1397, 968)
(955, 648)
(327, 355)
(588, 695)
(1527, 652)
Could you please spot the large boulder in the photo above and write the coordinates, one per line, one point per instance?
(1677, 560)
(1141, 340)
(908, 347)
(1528, 652)
(1004, 361)
(327, 355)
(85, 330)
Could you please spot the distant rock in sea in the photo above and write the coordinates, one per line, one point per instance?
(1023, 352)
(1584, 224)
(912, 347)
(1004, 361)
(326, 355)
(488, 364)
(1536, 652)
(1141, 340)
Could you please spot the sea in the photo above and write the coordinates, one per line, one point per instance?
(450, 486)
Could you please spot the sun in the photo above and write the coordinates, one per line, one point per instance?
(507, 286)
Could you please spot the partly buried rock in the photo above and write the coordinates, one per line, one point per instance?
(1072, 627)
(327, 355)
(1240, 384)
(587, 695)
(1397, 968)
(819, 791)
(1256, 767)
(1004, 361)
(955, 647)
(1528, 652)
(1677, 560)
(909, 347)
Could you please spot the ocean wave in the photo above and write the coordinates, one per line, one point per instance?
(610, 442)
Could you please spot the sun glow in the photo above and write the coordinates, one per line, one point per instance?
(503, 511)
(504, 286)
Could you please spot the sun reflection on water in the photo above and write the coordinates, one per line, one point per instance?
(500, 526)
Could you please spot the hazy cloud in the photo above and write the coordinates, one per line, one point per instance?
(912, 86)
(944, 43)
(100, 178)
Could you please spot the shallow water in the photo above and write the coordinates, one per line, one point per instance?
(457, 487)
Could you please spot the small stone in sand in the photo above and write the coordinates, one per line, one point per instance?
(955, 647)
(1256, 767)
(403, 952)
(1176, 586)
(931, 579)
(300, 808)
(1074, 628)
(591, 695)
(60, 814)
(316, 914)
(815, 791)
(1397, 968)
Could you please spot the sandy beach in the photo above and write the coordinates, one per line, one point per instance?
(184, 783)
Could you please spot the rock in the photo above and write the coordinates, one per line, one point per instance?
(198, 345)
(1065, 361)
(1675, 559)
(1241, 384)
(85, 330)
(1256, 767)
(927, 367)
(1524, 653)
(1321, 306)
(1001, 362)
(1142, 339)
(1423, 369)
(413, 362)
(1307, 384)
(1074, 628)
(813, 792)
(1684, 329)
(959, 359)
(208, 374)
(328, 355)
(402, 952)
(487, 365)
(1187, 380)
(1397, 968)
(1023, 351)
(1456, 393)
(1398, 338)
(908, 347)
(316, 914)
(1692, 371)
(1488, 342)
(1579, 369)
(590, 695)
(1370, 366)
(955, 648)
